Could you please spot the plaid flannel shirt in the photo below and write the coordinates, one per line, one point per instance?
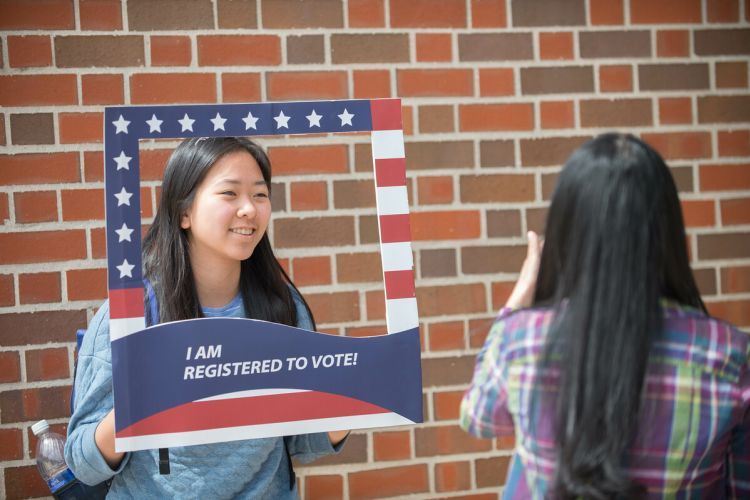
(693, 438)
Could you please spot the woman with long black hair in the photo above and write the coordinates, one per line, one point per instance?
(604, 362)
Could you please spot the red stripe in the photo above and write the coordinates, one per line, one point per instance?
(394, 228)
(125, 303)
(399, 284)
(386, 114)
(390, 172)
(256, 410)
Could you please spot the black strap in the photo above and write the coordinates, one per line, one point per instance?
(163, 461)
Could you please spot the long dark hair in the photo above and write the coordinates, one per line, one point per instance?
(264, 285)
(614, 246)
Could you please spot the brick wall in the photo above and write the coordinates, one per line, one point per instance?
(496, 93)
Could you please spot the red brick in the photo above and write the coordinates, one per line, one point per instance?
(239, 50)
(447, 404)
(93, 166)
(104, 15)
(500, 293)
(24, 482)
(446, 440)
(2, 124)
(734, 143)
(102, 89)
(29, 51)
(46, 14)
(39, 168)
(11, 372)
(454, 225)
(303, 160)
(309, 195)
(392, 481)
(47, 364)
(556, 45)
(11, 440)
(284, 14)
(306, 85)
(40, 327)
(83, 204)
(366, 13)
(731, 74)
(728, 177)
(435, 82)
(370, 84)
(240, 87)
(698, 213)
(87, 284)
(153, 162)
(435, 190)
(665, 11)
(328, 487)
(496, 82)
(481, 117)
(34, 404)
(446, 336)
(309, 271)
(735, 279)
(434, 47)
(170, 88)
(36, 206)
(736, 312)
(606, 12)
(77, 128)
(557, 114)
(42, 246)
(672, 43)
(358, 267)
(723, 11)
(375, 303)
(98, 243)
(39, 288)
(616, 78)
(7, 291)
(339, 307)
(366, 331)
(673, 110)
(452, 476)
(451, 299)
(735, 211)
(676, 145)
(428, 14)
(37, 90)
(488, 14)
(391, 445)
(170, 51)
(407, 113)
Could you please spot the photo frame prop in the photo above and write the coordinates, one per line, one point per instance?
(223, 379)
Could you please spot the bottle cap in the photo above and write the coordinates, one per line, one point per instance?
(39, 427)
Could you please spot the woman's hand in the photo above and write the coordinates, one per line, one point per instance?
(104, 436)
(337, 436)
(523, 292)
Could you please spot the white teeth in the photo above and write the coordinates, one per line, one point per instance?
(243, 231)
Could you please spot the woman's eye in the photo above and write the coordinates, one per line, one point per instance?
(228, 193)
(262, 195)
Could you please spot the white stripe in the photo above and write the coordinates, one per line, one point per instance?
(119, 328)
(259, 431)
(251, 394)
(396, 256)
(401, 314)
(392, 200)
(387, 144)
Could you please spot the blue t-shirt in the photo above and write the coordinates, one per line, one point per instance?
(254, 468)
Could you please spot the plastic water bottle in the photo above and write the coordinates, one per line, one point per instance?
(50, 458)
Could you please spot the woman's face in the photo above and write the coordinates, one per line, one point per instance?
(229, 214)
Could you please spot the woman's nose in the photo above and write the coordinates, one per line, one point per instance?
(247, 209)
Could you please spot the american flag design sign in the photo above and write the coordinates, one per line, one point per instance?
(159, 403)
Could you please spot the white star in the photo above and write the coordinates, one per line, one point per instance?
(123, 162)
(218, 122)
(187, 123)
(282, 121)
(121, 125)
(314, 119)
(250, 121)
(346, 118)
(123, 197)
(126, 269)
(123, 233)
(154, 124)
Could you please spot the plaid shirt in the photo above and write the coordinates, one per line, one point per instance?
(693, 438)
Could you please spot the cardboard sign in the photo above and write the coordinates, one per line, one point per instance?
(222, 379)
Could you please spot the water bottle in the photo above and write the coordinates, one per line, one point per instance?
(50, 458)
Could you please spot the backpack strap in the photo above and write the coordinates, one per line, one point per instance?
(152, 318)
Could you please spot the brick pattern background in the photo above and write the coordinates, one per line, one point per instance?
(496, 93)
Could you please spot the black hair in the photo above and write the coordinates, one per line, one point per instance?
(264, 285)
(615, 245)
